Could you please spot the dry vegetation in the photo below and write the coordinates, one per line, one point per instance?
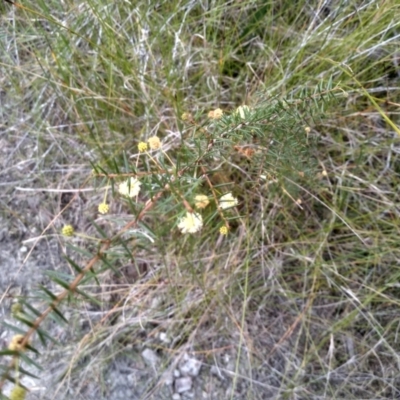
(298, 301)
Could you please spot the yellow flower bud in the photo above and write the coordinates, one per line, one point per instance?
(16, 309)
(223, 230)
(104, 208)
(68, 230)
(15, 344)
(187, 117)
(142, 146)
(18, 393)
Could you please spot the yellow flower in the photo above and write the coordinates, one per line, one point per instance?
(142, 146)
(187, 117)
(154, 142)
(104, 208)
(228, 201)
(17, 309)
(242, 111)
(216, 114)
(68, 230)
(223, 230)
(130, 187)
(201, 201)
(15, 344)
(191, 223)
(18, 393)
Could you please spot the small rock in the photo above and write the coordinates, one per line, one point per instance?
(150, 357)
(177, 374)
(167, 378)
(183, 384)
(176, 396)
(189, 366)
(164, 338)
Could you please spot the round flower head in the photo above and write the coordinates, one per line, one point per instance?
(142, 146)
(17, 309)
(186, 116)
(15, 344)
(154, 143)
(103, 208)
(242, 111)
(216, 114)
(228, 201)
(68, 230)
(191, 223)
(18, 393)
(201, 201)
(223, 230)
(130, 187)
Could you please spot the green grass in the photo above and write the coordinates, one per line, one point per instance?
(305, 298)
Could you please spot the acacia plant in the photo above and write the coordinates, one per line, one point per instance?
(205, 181)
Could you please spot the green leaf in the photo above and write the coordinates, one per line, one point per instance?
(102, 233)
(75, 266)
(25, 303)
(98, 167)
(126, 162)
(59, 314)
(79, 250)
(108, 265)
(24, 320)
(29, 360)
(91, 274)
(31, 348)
(13, 328)
(60, 276)
(48, 292)
(26, 372)
(7, 352)
(55, 276)
(87, 296)
(43, 335)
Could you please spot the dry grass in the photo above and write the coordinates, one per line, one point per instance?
(302, 302)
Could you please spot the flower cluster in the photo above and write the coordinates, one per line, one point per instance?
(142, 146)
(228, 201)
(154, 143)
(201, 201)
(16, 343)
(190, 223)
(216, 114)
(223, 230)
(103, 208)
(242, 111)
(18, 393)
(130, 187)
(68, 230)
